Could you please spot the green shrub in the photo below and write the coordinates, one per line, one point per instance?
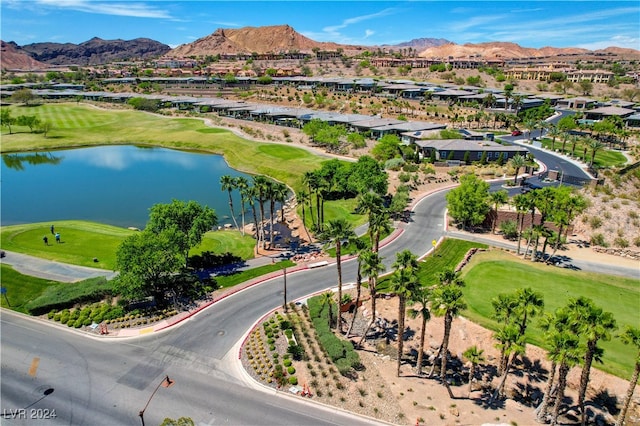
(63, 295)
(51, 314)
(287, 362)
(57, 316)
(291, 370)
(293, 380)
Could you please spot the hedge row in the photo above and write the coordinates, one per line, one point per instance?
(340, 351)
(65, 296)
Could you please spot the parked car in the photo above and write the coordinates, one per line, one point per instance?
(516, 133)
(528, 186)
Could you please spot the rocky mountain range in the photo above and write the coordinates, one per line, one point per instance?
(95, 51)
(261, 40)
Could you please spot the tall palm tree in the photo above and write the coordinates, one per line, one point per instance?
(271, 196)
(531, 125)
(521, 203)
(280, 195)
(403, 284)
(337, 231)
(517, 162)
(361, 247)
(372, 267)
(421, 297)
(379, 223)
(309, 178)
(512, 344)
(574, 141)
(631, 336)
(530, 304)
(595, 146)
(251, 193)
(261, 185)
(504, 309)
(475, 356)
(242, 184)
(373, 205)
(566, 355)
(448, 302)
(553, 133)
(228, 184)
(595, 325)
(498, 198)
(303, 199)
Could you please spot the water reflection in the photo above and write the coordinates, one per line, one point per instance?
(17, 161)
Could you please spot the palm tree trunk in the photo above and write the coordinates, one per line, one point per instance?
(358, 290)
(339, 267)
(584, 377)
(544, 405)
(520, 220)
(271, 209)
(629, 395)
(448, 319)
(500, 389)
(233, 215)
(255, 223)
(401, 314)
(562, 384)
(472, 373)
(372, 290)
(421, 351)
(556, 245)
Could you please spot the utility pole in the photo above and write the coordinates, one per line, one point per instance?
(284, 306)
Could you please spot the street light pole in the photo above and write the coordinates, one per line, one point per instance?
(166, 382)
(284, 306)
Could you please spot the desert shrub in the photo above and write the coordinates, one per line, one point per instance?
(595, 222)
(293, 380)
(598, 240)
(291, 370)
(296, 351)
(509, 229)
(620, 242)
(394, 164)
(287, 362)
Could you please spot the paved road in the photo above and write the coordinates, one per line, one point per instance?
(108, 382)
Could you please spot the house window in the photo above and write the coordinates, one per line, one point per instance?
(443, 154)
(489, 154)
(479, 154)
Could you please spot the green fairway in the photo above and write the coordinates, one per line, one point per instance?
(78, 125)
(446, 256)
(83, 241)
(497, 272)
(21, 289)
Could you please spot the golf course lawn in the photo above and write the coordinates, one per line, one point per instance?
(80, 125)
(83, 241)
(494, 272)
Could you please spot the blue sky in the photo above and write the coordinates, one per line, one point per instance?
(587, 24)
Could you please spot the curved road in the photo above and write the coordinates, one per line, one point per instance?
(106, 382)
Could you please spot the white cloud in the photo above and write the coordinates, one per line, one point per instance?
(368, 33)
(617, 41)
(136, 10)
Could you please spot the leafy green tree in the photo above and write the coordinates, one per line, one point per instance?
(24, 96)
(337, 232)
(468, 203)
(6, 119)
(367, 175)
(403, 283)
(146, 261)
(631, 336)
(356, 140)
(144, 104)
(386, 148)
(31, 121)
(45, 127)
(475, 356)
(189, 220)
(586, 86)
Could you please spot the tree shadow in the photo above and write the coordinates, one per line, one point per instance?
(534, 370)
(603, 400)
(484, 401)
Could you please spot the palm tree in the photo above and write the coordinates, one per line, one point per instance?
(553, 132)
(531, 125)
(309, 178)
(595, 325)
(566, 355)
(373, 205)
(403, 284)
(504, 308)
(361, 247)
(280, 195)
(228, 184)
(595, 146)
(498, 198)
(631, 336)
(271, 196)
(422, 297)
(521, 203)
(303, 199)
(475, 356)
(339, 230)
(448, 302)
(529, 304)
(372, 266)
(574, 141)
(512, 344)
(261, 185)
(517, 162)
(251, 193)
(242, 184)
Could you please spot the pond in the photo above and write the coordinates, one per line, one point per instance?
(115, 185)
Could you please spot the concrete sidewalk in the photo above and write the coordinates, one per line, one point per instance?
(52, 270)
